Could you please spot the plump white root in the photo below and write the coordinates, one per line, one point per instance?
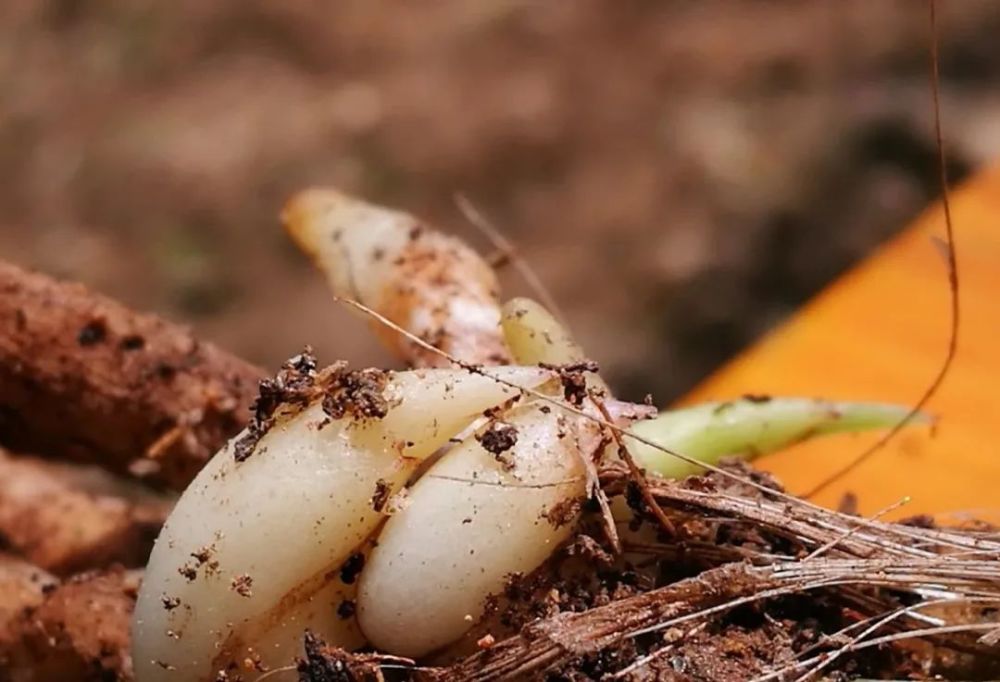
(473, 519)
(324, 607)
(534, 336)
(430, 284)
(751, 427)
(250, 544)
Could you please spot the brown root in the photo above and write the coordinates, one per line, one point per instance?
(53, 521)
(22, 587)
(85, 378)
(78, 631)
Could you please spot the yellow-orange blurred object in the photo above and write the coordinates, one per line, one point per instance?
(880, 333)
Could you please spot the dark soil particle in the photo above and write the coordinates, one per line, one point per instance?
(244, 447)
(346, 609)
(357, 393)
(381, 495)
(351, 569)
(633, 497)
(242, 584)
(203, 555)
(165, 371)
(498, 438)
(132, 342)
(294, 386)
(92, 333)
(323, 663)
(574, 379)
(919, 521)
(589, 549)
(563, 513)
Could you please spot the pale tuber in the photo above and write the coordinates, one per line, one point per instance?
(251, 542)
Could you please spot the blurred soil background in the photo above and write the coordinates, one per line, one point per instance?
(682, 174)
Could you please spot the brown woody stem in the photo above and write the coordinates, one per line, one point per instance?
(85, 378)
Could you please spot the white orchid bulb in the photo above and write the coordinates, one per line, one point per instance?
(429, 283)
(499, 503)
(252, 546)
